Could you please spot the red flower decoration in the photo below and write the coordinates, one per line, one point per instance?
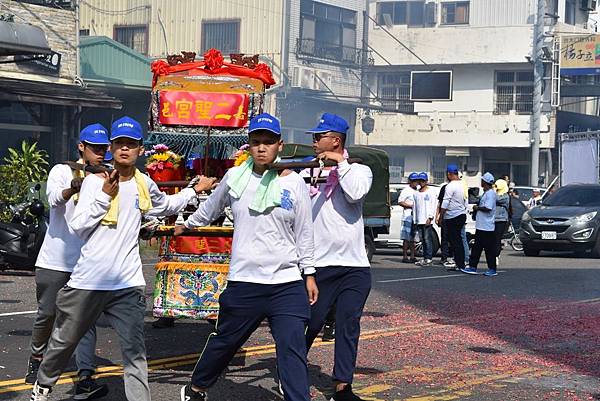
(264, 71)
(213, 60)
(160, 67)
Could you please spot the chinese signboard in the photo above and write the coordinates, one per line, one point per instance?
(203, 108)
(580, 55)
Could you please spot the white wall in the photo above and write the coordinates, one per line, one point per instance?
(466, 121)
(499, 31)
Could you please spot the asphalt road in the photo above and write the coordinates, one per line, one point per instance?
(531, 333)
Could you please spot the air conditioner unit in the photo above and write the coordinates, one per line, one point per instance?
(303, 77)
(589, 5)
(323, 80)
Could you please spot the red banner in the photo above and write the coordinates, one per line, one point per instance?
(203, 108)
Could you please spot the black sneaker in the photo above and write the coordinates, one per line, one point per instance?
(345, 395)
(32, 370)
(87, 389)
(328, 332)
(163, 323)
(187, 394)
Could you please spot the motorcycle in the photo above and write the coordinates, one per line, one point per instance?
(22, 238)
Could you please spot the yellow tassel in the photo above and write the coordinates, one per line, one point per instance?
(207, 267)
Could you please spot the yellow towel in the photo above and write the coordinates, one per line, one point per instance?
(145, 203)
(78, 174)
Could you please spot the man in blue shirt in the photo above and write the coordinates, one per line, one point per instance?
(485, 226)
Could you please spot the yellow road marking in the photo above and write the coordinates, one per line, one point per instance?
(14, 385)
(458, 390)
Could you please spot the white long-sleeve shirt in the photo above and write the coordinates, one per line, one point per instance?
(424, 206)
(268, 248)
(110, 257)
(338, 220)
(61, 246)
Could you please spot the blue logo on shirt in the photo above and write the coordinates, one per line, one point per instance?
(286, 201)
(137, 202)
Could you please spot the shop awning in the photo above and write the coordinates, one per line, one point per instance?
(22, 39)
(57, 94)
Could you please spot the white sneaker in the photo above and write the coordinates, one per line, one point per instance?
(449, 264)
(40, 393)
(424, 262)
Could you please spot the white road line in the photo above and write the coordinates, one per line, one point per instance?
(27, 312)
(427, 277)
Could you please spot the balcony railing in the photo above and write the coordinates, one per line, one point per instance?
(310, 48)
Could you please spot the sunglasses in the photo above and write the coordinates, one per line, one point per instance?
(318, 137)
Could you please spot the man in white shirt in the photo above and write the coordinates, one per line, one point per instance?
(454, 211)
(343, 270)
(108, 276)
(272, 248)
(485, 236)
(408, 231)
(58, 255)
(425, 207)
(536, 198)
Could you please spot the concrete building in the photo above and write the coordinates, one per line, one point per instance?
(323, 59)
(482, 123)
(314, 48)
(41, 94)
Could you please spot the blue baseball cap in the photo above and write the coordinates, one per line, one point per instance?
(94, 134)
(126, 127)
(265, 122)
(413, 177)
(423, 176)
(452, 168)
(330, 122)
(488, 178)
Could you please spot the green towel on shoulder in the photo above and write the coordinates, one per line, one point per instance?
(267, 195)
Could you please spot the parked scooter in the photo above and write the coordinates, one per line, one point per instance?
(22, 238)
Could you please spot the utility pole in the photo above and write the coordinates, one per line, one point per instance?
(538, 82)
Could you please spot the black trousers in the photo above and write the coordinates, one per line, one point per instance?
(499, 233)
(242, 307)
(484, 241)
(454, 227)
(347, 288)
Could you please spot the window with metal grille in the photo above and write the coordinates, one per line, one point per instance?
(454, 13)
(221, 35)
(411, 13)
(393, 90)
(328, 32)
(514, 91)
(133, 36)
(84, 32)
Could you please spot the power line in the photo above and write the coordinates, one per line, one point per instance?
(115, 12)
